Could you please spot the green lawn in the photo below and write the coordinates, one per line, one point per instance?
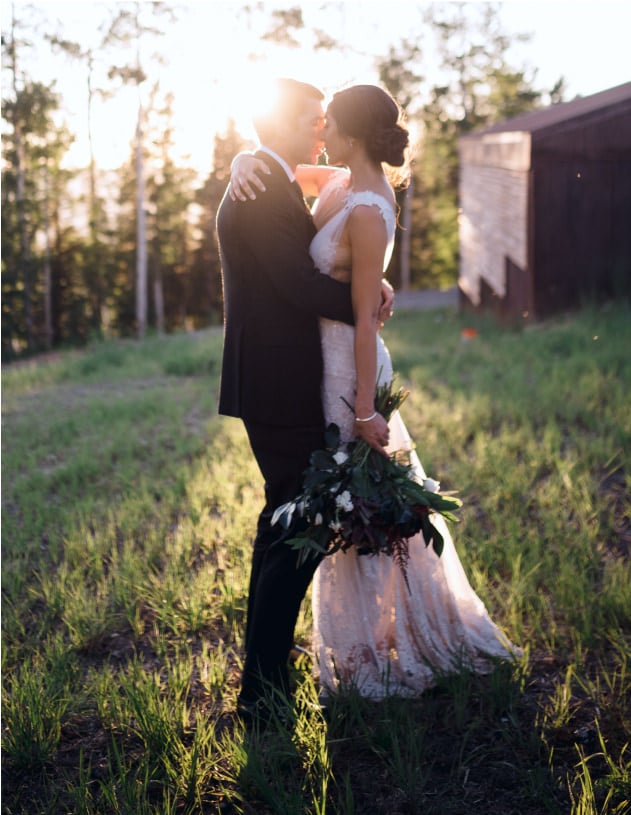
(128, 507)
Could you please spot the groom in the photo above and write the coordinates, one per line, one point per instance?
(272, 368)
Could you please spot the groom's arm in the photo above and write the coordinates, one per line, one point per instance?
(278, 234)
(248, 173)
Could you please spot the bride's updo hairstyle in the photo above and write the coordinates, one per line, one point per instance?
(370, 114)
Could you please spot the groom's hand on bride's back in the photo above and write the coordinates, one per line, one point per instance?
(386, 310)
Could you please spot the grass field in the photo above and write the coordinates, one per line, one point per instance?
(128, 507)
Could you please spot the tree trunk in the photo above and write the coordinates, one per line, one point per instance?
(25, 246)
(141, 236)
(48, 283)
(96, 272)
(158, 298)
(406, 236)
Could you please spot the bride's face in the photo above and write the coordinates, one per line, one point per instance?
(337, 146)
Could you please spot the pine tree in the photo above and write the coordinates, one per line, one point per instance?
(206, 271)
(170, 197)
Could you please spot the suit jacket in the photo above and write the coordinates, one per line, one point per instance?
(273, 296)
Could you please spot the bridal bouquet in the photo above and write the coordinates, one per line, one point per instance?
(354, 497)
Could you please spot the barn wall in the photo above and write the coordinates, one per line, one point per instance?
(582, 210)
(492, 226)
(582, 238)
(546, 208)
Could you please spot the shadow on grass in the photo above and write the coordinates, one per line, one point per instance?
(471, 744)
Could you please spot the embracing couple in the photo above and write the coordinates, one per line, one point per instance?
(304, 300)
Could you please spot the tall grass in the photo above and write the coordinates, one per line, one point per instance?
(128, 509)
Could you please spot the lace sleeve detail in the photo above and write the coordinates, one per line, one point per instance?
(334, 207)
(370, 198)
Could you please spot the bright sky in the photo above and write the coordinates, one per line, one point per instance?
(211, 76)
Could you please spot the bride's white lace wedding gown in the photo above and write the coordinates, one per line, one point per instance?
(370, 632)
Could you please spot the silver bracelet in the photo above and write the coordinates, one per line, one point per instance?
(368, 419)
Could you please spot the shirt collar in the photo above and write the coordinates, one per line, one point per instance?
(290, 173)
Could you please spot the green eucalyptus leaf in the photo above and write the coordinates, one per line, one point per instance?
(332, 437)
(437, 542)
(322, 460)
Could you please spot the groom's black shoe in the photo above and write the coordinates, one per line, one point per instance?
(252, 715)
(259, 715)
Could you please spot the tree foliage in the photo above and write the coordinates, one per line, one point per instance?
(71, 239)
(475, 86)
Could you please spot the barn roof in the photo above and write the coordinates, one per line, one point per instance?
(549, 117)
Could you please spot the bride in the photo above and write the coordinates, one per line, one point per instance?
(370, 631)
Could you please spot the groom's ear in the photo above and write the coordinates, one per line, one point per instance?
(275, 131)
(285, 130)
(273, 134)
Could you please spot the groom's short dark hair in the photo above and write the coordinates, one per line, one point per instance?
(287, 102)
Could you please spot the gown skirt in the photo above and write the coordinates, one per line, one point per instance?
(369, 631)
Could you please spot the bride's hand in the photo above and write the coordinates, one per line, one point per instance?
(245, 173)
(374, 432)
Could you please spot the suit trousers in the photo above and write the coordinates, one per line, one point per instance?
(277, 584)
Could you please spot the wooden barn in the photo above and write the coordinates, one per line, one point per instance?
(545, 208)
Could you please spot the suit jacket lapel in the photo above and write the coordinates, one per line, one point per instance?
(294, 189)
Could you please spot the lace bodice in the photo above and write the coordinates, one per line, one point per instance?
(335, 204)
(328, 250)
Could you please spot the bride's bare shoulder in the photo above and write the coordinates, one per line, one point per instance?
(313, 178)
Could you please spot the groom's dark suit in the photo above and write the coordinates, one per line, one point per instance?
(271, 379)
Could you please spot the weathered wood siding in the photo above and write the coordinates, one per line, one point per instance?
(582, 211)
(493, 222)
(493, 217)
(584, 250)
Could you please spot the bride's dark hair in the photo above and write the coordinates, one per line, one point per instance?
(368, 113)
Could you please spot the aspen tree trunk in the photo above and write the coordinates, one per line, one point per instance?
(406, 236)
(48, 281)
(97, 295)
(141, 236)
(25, 246)
(158, 299)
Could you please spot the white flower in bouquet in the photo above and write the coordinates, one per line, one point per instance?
(353, 497)
(344, 501)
